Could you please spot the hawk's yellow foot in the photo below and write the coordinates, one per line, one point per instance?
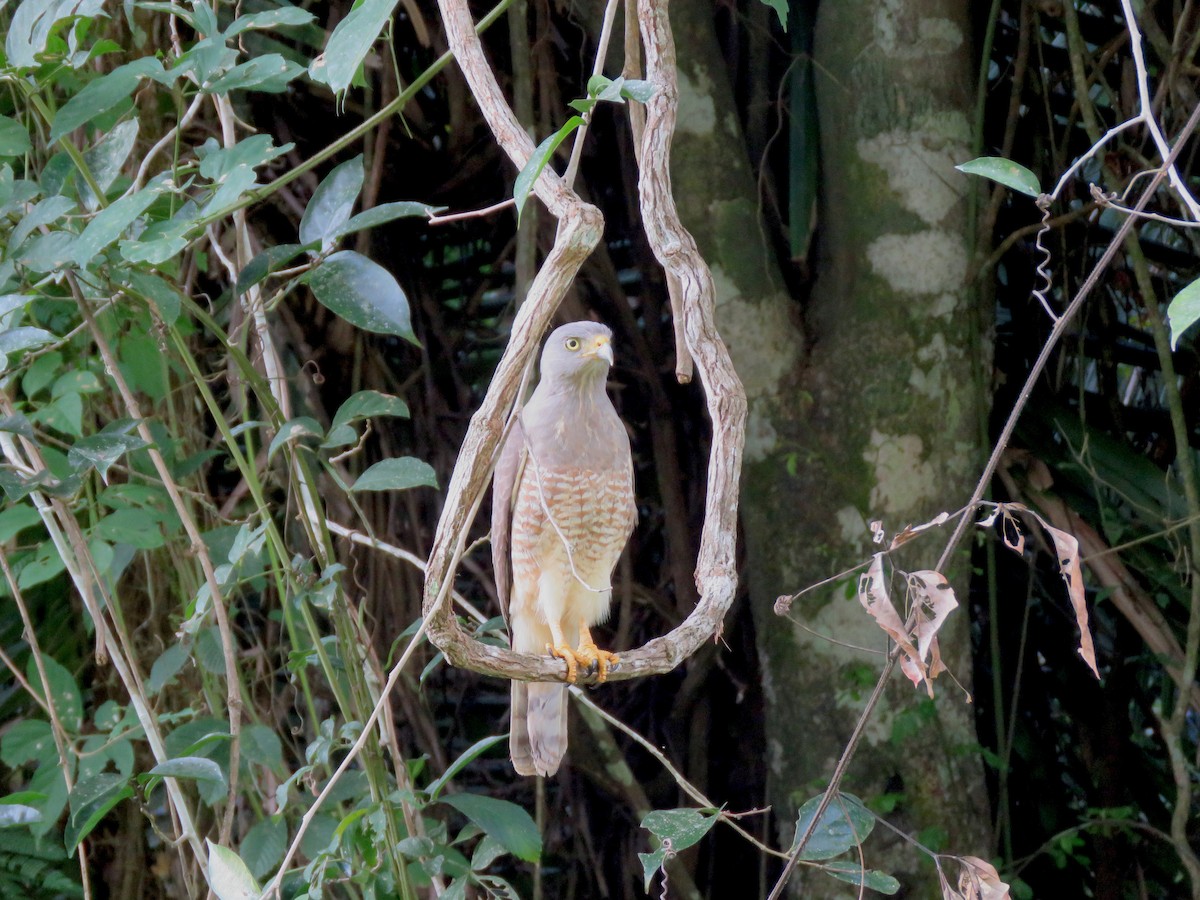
(591, 657)
(567, 655)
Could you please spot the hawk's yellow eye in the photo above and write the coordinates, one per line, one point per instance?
(572, 343)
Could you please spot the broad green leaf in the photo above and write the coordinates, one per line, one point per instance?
(349, 43)
(14, 139)
(101, 95)
(506, 822)
(91, 800)
(231, 187)
(271, 18)
(100, 750)
(363, 293)
(529, 174)
(1006, 172)
(468, 756)
(262, 847)
(16, 340)
(28, 740)
(46, 212)
(385, 212)
(216, 161)
(261, 745)
(105, 160)
(853, 873)
(167, 299)
(64, 691)
(682, 827)
(781, 10)
(332, 203)
(228, 876)
(101, 451)
(16, 519)
(366, 405)
(65, 414)
(269, 261)
(48, 252)
(195, 768)
(137, 528)
(45, 565)
(165, 668)
(17, 424)
(844, 824)
(637, 89)
(111, 222)
(34, 20)
(12, 814)
(294, 429)
(1183, 312)
(50, 781)
(396, 475)
(269, 73)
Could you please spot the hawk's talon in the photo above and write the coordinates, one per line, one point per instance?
(567, 655)
(596, 659)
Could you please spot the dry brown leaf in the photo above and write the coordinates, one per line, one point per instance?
(979, 880)
(1067, 549)
(873, 595)
(934, 601)
(948, 891)
(908, 532)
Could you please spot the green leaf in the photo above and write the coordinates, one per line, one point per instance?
(12, 814)
(165, 668)
(637, 89)
(363, 293)
(28, 740)
(47, 212)
(304, 426)
(396, 475)
(231, 187)
(48, 252)
(269, 73)
(16, 519)
(216, 161)
(228, 876)
(101, 451)
(269, 261)
(91, 800)
(468, 755)
(529, 174)
(262, 745)
(1010, 174)
(105, 160)
(781, 10)
(349, 43)
(271, 18)
(14, 139)
(262, 847)
(64, 690)
(385, 212)
(844, 824)
(167, 299)
(101, 95)
(682, 827)
(366, 405)
(137, 528)
(332, 203)
(111, 222)
(1183, 312)
(853, 873)
(506, 822)
(195, 768)
(34, 21)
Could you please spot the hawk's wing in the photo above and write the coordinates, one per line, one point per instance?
(504, 489)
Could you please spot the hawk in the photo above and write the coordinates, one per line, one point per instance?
(562, 510)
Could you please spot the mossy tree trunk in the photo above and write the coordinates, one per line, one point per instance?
(868, 409)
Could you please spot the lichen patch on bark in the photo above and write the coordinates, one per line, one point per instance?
(925, 262)
(919, 162)
(904, 477)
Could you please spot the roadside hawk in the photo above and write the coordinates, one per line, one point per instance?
(562, 510)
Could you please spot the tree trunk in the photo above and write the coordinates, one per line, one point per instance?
(876, 416)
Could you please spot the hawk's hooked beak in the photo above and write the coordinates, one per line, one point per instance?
(601, 349)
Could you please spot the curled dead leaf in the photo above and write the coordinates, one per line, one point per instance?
(908, 532)
(979, 880)
(873, 595)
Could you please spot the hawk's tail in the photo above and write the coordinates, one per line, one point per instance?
(538, 739)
